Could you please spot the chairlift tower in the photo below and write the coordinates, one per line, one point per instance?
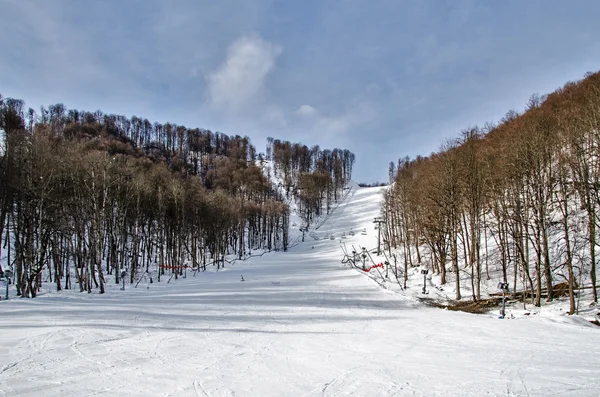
(504, 287)
(303, 229)
(424, 273)
(364, 258)
(379, 221)
(7, 276)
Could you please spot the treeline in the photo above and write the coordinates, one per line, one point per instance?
(530, 186)
(373, 184)
(317, 177)
(87, 195)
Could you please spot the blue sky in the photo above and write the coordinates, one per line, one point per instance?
(384, 79)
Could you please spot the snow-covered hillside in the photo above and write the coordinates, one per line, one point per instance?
(300, 324)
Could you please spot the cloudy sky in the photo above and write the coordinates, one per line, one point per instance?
(384, 79)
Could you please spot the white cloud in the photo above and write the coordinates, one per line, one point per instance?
(242, 75)
(307, 111)
(275, 117)
(357, 114)
(334, 125)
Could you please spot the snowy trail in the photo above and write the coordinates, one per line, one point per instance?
(302, 324)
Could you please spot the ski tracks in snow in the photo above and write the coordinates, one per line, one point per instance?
(198, 385)
(361, 381)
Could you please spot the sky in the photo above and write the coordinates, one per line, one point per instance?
(383, 79)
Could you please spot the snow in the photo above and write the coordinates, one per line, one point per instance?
(301, 324)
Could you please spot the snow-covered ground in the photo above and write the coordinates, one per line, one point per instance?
(301, 324)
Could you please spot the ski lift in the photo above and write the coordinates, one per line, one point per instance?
(351, 232)
(344, 235)
(331, 237)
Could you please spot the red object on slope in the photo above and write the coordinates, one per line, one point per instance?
(374, 266)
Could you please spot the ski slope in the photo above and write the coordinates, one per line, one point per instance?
(301, 324)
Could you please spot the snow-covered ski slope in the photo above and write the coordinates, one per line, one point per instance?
(301, 324)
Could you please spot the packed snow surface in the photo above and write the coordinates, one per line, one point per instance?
(301, 324)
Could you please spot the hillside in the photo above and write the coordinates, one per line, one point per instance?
(514, 202)
(301, 323)
(88, 198)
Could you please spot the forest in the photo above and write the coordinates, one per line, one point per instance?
(317, 177)
(88, 198)
(526, 188)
